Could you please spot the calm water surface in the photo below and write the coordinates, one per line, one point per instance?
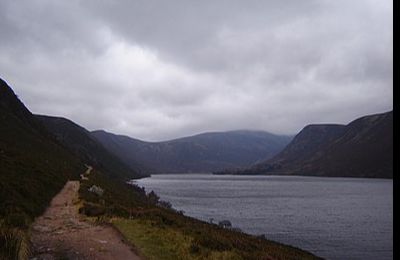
(336, 218)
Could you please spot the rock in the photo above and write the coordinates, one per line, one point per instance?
(225, 223)
(97, 190)
(42, 229)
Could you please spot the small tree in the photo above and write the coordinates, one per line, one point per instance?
(153, 197)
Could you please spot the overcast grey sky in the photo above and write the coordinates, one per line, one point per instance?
(163, 69)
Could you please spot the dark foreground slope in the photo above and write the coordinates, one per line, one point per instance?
(30, 159)
(363, 148)
(200, 153)
(33, 168)
(80, 141)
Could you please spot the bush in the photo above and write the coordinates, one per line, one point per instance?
(164, 204)
(92, 209)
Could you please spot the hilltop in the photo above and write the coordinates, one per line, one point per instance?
(362, 148)
(205, 152)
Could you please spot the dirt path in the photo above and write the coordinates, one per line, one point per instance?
(60, 233)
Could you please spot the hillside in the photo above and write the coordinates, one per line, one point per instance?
(30, 159)
(200, 153)
(35, 165)
(363, 148)
(80, 141)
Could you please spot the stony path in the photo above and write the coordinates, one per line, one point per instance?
(60, 233)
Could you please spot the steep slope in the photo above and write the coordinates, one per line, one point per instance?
(200, 153)
(30, 159)
(80, 141)
(363, 148)
(309, 141)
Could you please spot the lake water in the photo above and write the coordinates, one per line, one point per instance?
(335, 218)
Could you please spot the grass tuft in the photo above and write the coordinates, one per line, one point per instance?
(15, 244)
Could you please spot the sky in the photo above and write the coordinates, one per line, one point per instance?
(157, 70)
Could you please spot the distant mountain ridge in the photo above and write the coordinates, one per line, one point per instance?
(205, 152)
(363, 148)
(82, 143)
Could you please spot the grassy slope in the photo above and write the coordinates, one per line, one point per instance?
(162, 233)
(168, 236)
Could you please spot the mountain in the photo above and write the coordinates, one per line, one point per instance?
(80, 141)
(363, 148)
(30, 159)
(200, 153)
(35, 164)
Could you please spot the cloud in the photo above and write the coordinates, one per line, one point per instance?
(162, 69)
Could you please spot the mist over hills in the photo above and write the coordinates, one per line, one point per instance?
(363, 148)
(205, 152)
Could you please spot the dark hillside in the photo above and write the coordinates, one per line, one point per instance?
(80, 141)
(30, 159)
(363, 148)
(33, 168)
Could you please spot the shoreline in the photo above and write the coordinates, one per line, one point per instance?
(336, 182)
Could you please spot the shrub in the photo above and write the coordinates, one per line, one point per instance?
(92, 209)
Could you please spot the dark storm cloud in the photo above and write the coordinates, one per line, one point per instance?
(163, 69)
